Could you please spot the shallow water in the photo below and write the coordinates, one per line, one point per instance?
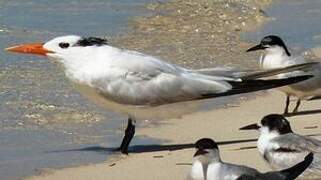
(296, 22)
(44, 123)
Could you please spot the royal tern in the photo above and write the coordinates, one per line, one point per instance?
(142, 86)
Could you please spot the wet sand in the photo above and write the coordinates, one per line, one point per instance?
(193, 34)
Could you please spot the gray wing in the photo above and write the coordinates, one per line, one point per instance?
(292, 172)
(286, 174)
(225, 71)
(295, 142)
(157, 87)
(296, 170)
(233, 72)
(276, 71)
(240, 170)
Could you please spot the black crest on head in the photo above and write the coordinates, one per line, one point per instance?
(277, 122)
(91, 41)
(273, 40)
(206, 143)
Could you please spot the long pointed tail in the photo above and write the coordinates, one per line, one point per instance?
(247, 86)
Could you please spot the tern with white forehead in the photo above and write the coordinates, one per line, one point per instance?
(282, 148)
(277, 55)
(142, 86)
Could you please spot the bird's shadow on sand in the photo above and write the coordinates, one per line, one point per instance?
(148, 148)
(301, 113)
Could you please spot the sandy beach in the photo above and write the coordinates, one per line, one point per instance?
(221, 125)
(203, 34)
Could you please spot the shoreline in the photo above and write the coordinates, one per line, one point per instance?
(224, 46)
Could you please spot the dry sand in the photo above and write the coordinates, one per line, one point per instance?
(221, 125)
(193, 34)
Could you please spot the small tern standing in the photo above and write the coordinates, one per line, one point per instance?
(207, 165)
(277, 55)
(142, 86)
(282, 148)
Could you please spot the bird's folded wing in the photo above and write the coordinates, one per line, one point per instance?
(225, 71)
(286, 174)
(296, 143)
(276, 71)
(296, 170)
(246, 86)
(131, 61)
(141, 88)
(233, 72)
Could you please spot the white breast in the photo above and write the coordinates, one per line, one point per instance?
(214, 171)
(224, 171)
(264, 141)
(197, 171)
(271, 61)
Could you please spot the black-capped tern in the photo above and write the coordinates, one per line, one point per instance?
(282, 148)
(277, 55)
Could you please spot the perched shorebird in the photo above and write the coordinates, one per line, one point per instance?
(142, 86)
(277, 55)
(282, 148)
(207, 165)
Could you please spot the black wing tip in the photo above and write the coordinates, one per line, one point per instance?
(295, 79)
(252, 85)
(309, 158)
(304, 77)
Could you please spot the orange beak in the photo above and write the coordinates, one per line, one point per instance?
(31, 48)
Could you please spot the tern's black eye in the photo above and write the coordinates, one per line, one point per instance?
(64, 45)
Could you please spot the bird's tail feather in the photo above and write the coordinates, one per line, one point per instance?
(246, 86)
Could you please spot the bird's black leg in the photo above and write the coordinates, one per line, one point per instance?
(129, 134)
(287, 103)
(295, 110)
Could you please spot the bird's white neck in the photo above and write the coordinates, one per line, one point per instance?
(266, 136)
(85, 65)
(197, 171)
(201, 164)
(274, 57)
